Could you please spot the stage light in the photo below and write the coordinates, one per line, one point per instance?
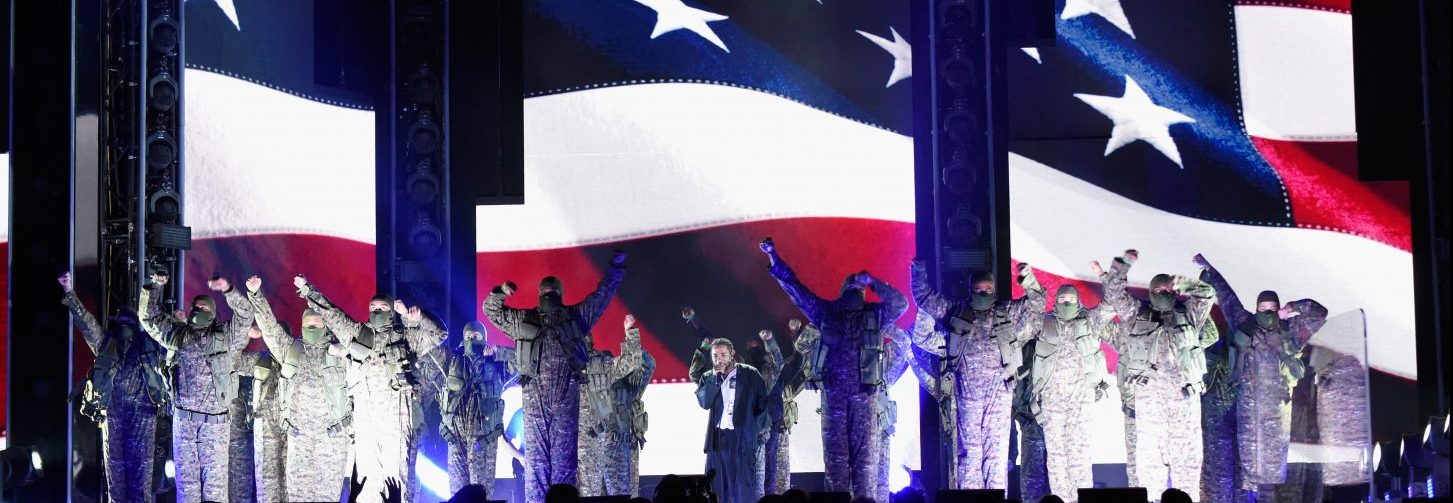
(424, 135)
(433, 478)
(161, 150)
(161, 92)
(20, 466)
(163, 34)
(1435, 435)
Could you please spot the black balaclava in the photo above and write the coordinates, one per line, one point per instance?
(552, 293)
(200, 318)
(1066, 311)
(1162, 301)
(853, 294)
(473, 346)
(379, 318)
(1267, 319)
(756, 354)
(977, 300)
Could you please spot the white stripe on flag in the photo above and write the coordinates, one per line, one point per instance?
(626, 162)
(1059, 223)
(1296, 73)
(261, 161)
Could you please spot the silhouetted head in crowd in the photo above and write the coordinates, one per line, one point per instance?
(863, 499)
(638, 499)
(562, 493)
(797, 495)
(1174, 495)
(472, 493)
(773, 498)
(1051, 499)
(908, 494)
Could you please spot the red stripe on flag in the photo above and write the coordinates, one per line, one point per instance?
(1321, 179)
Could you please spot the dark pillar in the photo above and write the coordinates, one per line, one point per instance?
(40, 241)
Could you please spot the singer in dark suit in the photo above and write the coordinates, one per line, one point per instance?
(738, 398)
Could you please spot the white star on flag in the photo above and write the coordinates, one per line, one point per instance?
(672, 15)
(1108, 9)
(1138, 118)
(901, 51)
(1033, 52)
(230, 11)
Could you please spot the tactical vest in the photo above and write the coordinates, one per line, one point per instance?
(221, 360)
(870, 344)
(1142, 345)
(1289, 356)
(485, 379)
(1082, 343)
(100, 394)
(390, 349)
(335, 382)
(1000, 330)
(528, 344)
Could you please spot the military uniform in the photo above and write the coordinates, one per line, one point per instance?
(1268, 365)
(895, 364)
(1342, 412)
(927, 367)
(312, 412)
(1161, 372)
(207, 382)
(1219, 475)
(125, 391)
(590, 448)
(242, 463)
(777, 455)
(269, 441)
(550, 349)
(622, 424)
(387, 415)
(848, 358)
(982, 360)
(1063, 378)
(472, 414)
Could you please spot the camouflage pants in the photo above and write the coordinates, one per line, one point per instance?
(473, 463)
(1033, 476)
(200, 452)
(127, 436)
(268, 447)
(1163, 437)
(590, 469)
(1342, 417)
(620, 468)
(552, 414)
(1263, 424)
(984, 409)
(240, 465)
(316, 464)
(778, 462)
(385, 437)
(885, 450)
(1219, 478)
(1066, 438)
(850, 432)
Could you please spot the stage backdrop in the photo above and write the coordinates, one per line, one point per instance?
(686, 133)
(1222, 128)
(279, 176)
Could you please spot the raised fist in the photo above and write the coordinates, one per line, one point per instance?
(863, 278)
(917, 265)
(767, 246)
(219, 284)
(794, 325)
(1131, 255)
(65, 281)
(1023, 269)
(1095, 267)
(1287, 313)
(299, 281)
(688, 314)
(618, 259)
(765, 335)
(630, 321)
(508, 288)
(1200, 261)
(254, 284)
(400, 307)
(160, 278)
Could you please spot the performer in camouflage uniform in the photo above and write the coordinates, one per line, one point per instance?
(551, 352)
(125, 391)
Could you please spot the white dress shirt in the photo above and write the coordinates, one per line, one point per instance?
(728, 399)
